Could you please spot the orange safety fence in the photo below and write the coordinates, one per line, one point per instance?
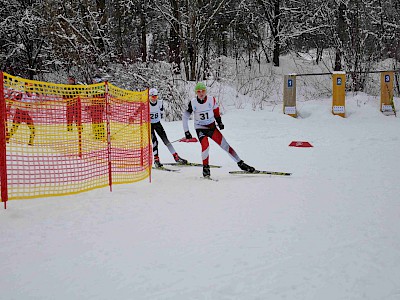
(59, 139)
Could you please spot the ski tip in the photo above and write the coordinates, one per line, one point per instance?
(258, 172)
(215, 166)
(166, 169)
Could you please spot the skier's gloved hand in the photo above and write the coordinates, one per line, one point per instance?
(219, 122)
(188, 135)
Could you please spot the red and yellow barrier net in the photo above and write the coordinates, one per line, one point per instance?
(58, 139)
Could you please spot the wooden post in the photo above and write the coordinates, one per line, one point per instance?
(289, 95)
(387, 105)
(338, 93)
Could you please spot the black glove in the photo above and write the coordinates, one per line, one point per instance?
(219, 122)
(188, 135)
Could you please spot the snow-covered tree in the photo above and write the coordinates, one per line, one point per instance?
(24, 37)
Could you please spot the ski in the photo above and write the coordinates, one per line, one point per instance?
(260, 172)
(209, 178)
(166, 169)
(189, 164)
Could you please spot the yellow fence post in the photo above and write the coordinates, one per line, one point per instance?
(289, 95)
(387, 92)
(339, 93)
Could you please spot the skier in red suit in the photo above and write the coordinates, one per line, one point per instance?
(206, 113)
(23, 103)
(72, 112)
(96, 110)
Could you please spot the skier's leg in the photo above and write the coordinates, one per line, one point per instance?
(221, 141)
(32, 135)
(163, 135)
(69, 116)
(16, 122)
(99, 131)
(31, 126)
(13, 130)
(205, 148)
(155, 142)
(76, 112)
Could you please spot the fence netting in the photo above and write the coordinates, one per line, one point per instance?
(64, 139)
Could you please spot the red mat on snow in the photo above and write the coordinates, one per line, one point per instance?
(300, 144)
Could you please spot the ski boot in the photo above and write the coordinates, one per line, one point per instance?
(157, 162)
(206, 171)
(245, 167)
(179, 159)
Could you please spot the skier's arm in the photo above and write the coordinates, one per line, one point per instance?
(217, 115)
(161, 109)
(185, 119)
(9, 95)
(136, 113)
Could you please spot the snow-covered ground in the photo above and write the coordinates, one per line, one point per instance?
(330, 231)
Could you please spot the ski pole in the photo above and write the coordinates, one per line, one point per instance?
(118, 131)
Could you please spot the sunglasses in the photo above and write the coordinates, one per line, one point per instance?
(200, 91)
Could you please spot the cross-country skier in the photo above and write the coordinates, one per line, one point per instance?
(206, 113)
(23, 102)
(96, 109)
(156, 113)
(71, 100)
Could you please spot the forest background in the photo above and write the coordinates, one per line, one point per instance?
(170, 43)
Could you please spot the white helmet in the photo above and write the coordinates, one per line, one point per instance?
(153, 92)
